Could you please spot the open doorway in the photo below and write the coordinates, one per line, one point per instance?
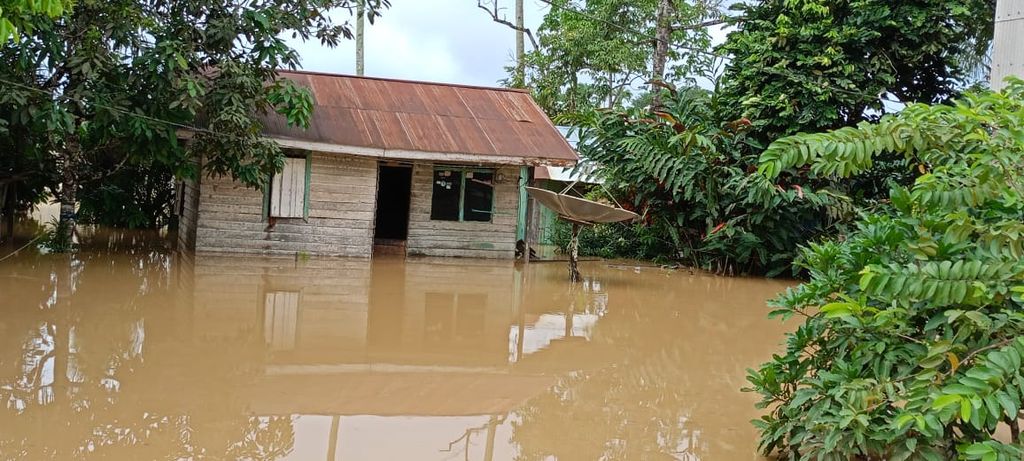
(394, 185)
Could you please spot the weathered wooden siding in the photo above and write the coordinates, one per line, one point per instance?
(495, 239)
(1007, 54)
(188, 215)
(342, 197)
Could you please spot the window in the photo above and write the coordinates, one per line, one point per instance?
(462, 195)
(289, 189)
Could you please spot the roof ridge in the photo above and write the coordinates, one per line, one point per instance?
(399, 80)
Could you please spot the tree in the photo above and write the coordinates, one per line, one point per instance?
(596, 53)
(911, 343)
(16, 16)
(111, 84)
(688, 176)
(812, 65)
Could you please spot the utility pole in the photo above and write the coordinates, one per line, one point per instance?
(520, 46)
(360, 19)
(1007, 54)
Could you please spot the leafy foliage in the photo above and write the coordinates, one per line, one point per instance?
(688, 176)
(16, 15)
(110, 84)
(133, 198)
(913, 330)
(596, 53)
(619, 240)
(812, 65)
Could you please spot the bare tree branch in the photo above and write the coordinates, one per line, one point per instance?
(493, 11)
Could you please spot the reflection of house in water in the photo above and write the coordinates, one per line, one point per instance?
(396, 343)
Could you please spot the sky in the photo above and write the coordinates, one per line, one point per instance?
(449, 41)
(434, 40)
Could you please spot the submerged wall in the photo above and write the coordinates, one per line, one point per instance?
(342, 196)
(495, 239)
(223, 216)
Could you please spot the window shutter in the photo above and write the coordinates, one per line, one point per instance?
(288, 190)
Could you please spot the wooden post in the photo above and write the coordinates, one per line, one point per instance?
(332, 443)
(1007, 54)
(524, 178)
(492, 430)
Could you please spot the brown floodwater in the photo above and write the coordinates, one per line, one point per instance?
(134, 352)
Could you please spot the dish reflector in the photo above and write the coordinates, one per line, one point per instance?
(578, 210)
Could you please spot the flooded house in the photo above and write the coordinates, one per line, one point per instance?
(391, 166)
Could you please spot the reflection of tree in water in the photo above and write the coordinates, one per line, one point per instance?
(632, 410)
(73, 381)
(657, 372)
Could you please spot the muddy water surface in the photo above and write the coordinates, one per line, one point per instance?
(143, 354)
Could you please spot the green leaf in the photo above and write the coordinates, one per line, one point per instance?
(944, 401)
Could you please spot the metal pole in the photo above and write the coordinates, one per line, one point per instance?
(520, 46)
(360, 19)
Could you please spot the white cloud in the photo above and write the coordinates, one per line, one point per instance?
(436, 40)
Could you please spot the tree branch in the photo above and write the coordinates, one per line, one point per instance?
(700, 25)
(493, 13)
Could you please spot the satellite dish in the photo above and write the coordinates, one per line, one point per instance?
(580, 212)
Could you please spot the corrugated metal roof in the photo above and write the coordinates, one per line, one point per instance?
(398, 118)
(583, 173)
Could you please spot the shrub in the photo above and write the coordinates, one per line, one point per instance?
(911, 344)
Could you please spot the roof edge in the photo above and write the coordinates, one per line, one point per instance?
(397, 154)
(399, 80)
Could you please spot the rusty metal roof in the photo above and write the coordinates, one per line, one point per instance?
(423, 120)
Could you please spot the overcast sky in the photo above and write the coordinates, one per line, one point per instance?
(434, 40)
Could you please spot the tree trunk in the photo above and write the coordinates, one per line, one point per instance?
(69, 189)
(520, 47)
(6, 214)
(662, 35)
(574, 253)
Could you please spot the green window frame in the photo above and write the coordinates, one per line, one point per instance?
(267, 189)
(463, 173)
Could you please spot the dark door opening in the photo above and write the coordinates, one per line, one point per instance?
(394, 185)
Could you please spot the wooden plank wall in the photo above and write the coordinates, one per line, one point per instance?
(1007, 54)
(189, 214)
(343, 192)
(495, 239)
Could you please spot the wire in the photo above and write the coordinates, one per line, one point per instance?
(11, 254)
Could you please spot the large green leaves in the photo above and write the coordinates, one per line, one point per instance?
(914, 321)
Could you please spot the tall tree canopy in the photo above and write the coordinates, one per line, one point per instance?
(110, 85)
(596, 53)
(17, 15)
(808, 65)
